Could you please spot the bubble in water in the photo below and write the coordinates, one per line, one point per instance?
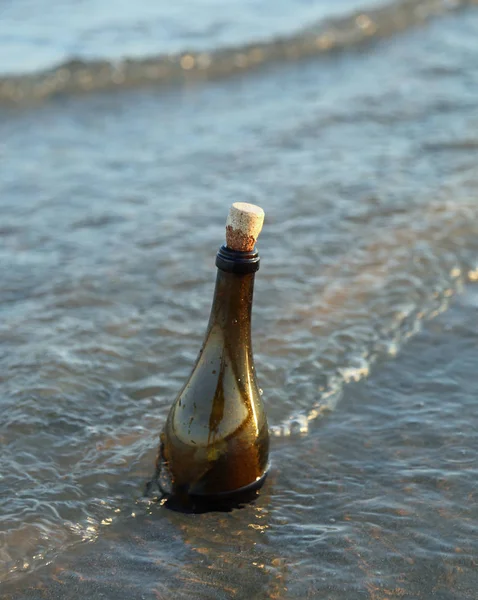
(299, 425)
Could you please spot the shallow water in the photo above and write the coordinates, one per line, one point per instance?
(365, 163)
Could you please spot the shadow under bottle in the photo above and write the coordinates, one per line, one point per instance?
(215, 444)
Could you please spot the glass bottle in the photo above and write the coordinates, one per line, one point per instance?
(215, 442)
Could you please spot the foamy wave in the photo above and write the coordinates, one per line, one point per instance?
(80, 77)
(443, 225)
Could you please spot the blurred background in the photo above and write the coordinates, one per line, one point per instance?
(354, 124)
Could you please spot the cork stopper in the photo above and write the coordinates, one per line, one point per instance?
(243, 226)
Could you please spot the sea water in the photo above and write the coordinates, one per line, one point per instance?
(355, 127)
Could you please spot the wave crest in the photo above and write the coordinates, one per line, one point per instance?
(79, 77)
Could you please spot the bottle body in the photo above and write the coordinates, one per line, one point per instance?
(216, 440)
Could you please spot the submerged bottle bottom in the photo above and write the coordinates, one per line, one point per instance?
(179, 499)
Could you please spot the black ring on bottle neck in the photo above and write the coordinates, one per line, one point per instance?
(233, 261)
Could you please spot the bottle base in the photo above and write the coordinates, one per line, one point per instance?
(222, 502)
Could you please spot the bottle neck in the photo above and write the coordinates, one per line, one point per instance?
(232, 307)
(232, 304)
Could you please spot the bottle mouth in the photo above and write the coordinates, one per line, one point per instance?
(234, 261)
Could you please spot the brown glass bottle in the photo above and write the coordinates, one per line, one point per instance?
(215, 442)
